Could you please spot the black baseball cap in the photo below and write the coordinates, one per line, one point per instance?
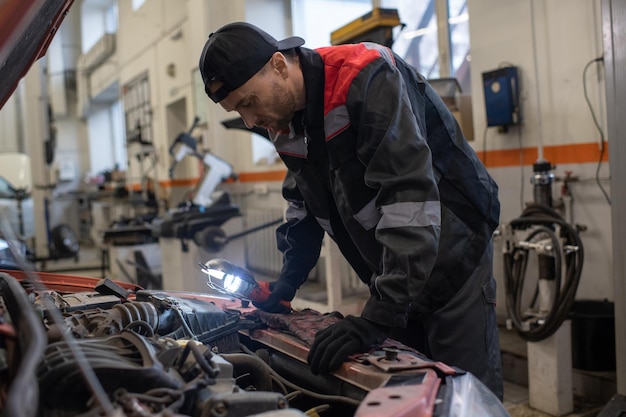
(235, 52)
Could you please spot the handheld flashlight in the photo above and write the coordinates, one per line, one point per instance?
(238, 282)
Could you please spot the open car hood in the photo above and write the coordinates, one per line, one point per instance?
(26, 29)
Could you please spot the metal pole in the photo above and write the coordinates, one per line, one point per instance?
(614, 30)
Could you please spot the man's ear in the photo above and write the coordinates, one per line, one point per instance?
(279, 64)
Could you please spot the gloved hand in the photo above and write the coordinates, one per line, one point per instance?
(280, 290)
(335, 343)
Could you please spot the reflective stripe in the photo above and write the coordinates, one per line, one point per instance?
(423, 214)
(325, 223)
(368, 216)
(336, 121)
(295, 212)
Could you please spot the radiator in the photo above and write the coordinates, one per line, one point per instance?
(265, 261)
(262, 257)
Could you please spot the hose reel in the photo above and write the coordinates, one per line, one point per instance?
(559, 255)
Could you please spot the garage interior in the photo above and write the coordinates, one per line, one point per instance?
(108, 140)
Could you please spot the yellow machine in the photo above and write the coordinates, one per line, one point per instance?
(375, 26)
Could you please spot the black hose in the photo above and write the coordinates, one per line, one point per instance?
(316, 395)
(542, 220)
(205, 363)
(253, 365)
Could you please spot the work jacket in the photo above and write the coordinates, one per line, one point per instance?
(377, 161)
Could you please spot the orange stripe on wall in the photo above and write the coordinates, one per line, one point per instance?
(579, 153)
(262, 176)
(276, 175)
(185, 182)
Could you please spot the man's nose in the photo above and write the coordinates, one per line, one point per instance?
(248, 119)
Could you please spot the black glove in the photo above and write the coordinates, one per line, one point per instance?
(280, 290)
(335, 343)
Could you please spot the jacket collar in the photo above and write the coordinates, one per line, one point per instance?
(313, 71)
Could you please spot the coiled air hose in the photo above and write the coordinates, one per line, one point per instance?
(568, 254)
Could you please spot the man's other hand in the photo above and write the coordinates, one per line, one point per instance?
(333, 345)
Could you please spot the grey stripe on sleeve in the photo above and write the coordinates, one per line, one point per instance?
(422, 214)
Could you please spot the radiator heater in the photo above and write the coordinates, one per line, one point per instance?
(262, 256)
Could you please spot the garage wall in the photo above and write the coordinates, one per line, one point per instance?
(550, 42)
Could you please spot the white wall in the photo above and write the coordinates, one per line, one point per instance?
(550, 42)
(567, 36)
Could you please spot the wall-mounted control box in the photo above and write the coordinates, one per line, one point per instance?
(501, 88)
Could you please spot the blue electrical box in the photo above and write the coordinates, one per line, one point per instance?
(501, 89)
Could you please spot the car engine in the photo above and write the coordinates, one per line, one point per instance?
(80, 346)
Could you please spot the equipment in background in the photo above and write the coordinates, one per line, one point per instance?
(132, 254)
(235, 281)
(207, 226)
(15, 193)
(198, 228)
(542, 231)
(375, 26)
(219, 170)
(501, 88)
(16, 203)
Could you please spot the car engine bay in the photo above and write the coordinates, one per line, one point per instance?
(81, 346)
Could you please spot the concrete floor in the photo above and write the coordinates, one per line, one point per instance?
(592, 390)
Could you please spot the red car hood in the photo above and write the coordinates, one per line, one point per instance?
(26, 30)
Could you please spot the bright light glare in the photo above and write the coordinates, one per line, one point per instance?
(232, 283)
(224, 282)
(215, 273)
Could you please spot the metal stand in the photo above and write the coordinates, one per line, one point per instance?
(614, 30)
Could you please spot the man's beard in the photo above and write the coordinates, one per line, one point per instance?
(283, 105)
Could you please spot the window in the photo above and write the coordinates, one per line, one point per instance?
(137, 4)
(137, 110)
(97, 19)
(421, 40)
(313, 22)
(417, 41)
(111, 18)
(107, 147)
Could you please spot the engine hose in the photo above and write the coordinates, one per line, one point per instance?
(253, 365)
(568, 263)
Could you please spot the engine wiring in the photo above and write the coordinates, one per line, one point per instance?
(85, 370)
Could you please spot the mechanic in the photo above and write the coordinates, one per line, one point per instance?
(376, 160)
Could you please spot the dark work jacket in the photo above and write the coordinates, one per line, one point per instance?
(378, 162)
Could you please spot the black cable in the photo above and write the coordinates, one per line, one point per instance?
(543, 220)
(597, 124)
(316, 395)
